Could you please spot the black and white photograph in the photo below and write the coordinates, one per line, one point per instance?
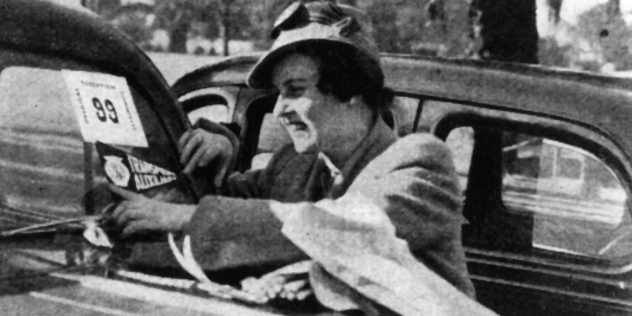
(316, 157)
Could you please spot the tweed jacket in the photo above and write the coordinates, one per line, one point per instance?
(411, 179)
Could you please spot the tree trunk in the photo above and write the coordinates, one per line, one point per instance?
(555, 7)
(178, 37)
(614, 8)
(509, 31)
(224, 26)
(226, 30)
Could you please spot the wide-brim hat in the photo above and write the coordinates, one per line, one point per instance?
(359, 258)
(318, 26)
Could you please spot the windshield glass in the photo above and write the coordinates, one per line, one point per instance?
(42, 151)
(50, 166)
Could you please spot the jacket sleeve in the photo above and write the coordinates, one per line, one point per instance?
(228, 232)
(416, 185)
(252, 183)
(218, 128)
(238, 227)
(257, 184)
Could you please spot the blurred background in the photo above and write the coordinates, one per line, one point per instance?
(589, 35)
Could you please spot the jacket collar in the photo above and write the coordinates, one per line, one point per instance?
(379, 138)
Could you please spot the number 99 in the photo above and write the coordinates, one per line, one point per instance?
(101, 115)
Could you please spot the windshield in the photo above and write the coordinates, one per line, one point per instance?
(48, 171)
(54, 113)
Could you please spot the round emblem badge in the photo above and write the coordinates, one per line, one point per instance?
(116, 170)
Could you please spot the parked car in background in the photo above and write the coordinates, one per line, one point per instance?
(544, 161)
(544, 156)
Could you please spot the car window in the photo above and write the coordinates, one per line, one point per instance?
(578, 204)
(215, 112)
(404, 110)
(47, 169)
(213, 104)
(41, 156)
(272, 137)
(554, 198)
(461, 143)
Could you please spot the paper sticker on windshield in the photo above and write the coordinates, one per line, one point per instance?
(105, 109)
(130, 172)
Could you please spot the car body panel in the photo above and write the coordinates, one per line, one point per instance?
(73, 292)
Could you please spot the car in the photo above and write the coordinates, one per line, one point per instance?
(544, 157)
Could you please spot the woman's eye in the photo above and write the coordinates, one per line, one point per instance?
(296, 90)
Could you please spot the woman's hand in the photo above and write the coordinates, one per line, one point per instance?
(137, 213)
(290, 283)
(272, 287)
(198, 148)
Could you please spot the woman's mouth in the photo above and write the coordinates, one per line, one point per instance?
(295, 125)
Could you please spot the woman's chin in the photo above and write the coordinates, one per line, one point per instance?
(304, 148)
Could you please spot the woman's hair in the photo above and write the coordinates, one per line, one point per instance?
(342, 77)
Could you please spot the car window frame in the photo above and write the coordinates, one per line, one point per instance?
(575, 134)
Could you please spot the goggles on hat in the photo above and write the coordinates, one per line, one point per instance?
(321, 24)
(297, 15)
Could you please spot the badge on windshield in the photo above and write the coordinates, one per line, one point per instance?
(132, 173)
(104, 108)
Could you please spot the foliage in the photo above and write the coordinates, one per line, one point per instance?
(400, 26)
(132, 20)
(509, 31)
(183, 19)
(421, 26)
(599, 41)
(608, 35)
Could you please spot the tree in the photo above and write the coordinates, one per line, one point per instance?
(133, 20)
(508, 30)
(385, 31)
(420, 26)
(607, 33)
(181, 18)
(450, 23)
(601, 39)
(175, 16)
(555, 8)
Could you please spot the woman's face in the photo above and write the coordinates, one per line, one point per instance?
(315, 121)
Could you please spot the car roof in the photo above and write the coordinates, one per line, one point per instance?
(47, 28)
(592, 100)
(56, 29)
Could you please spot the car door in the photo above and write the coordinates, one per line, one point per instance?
(547, 209)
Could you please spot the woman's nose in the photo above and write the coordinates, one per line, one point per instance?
(281, 106)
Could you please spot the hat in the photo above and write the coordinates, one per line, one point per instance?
(342, 28)
(356, 251)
